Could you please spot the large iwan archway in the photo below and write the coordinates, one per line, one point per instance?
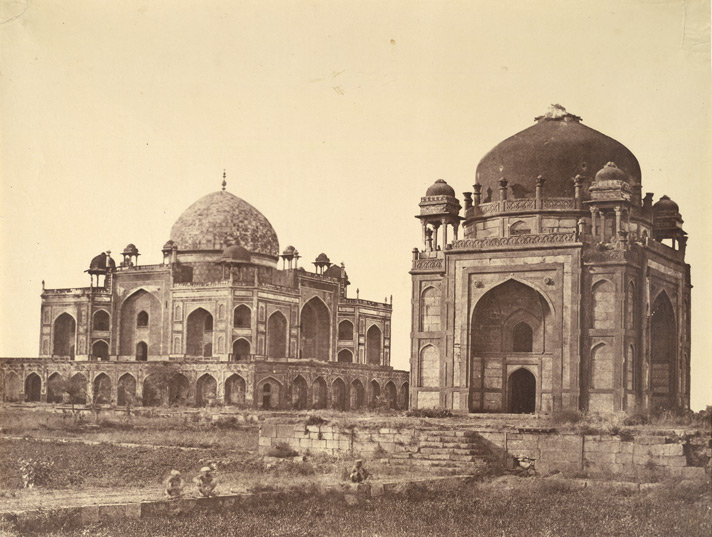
(199, 333)
(663, 340)
(65, 329)
(315, 330)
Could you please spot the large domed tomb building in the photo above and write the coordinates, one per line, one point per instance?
(221, 317)
(566, 289)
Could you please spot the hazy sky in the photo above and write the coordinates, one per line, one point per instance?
(331, 117)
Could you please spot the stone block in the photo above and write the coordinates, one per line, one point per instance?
(563, 442)
(649, 440)
(111, 512)
(570, 455)
(376, 490)
(132, 510)
(624, 458)
(268, 429)
(264, 441)
(285, 430)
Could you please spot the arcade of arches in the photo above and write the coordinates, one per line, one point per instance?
(141, 384)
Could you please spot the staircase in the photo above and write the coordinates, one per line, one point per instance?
(450, 450)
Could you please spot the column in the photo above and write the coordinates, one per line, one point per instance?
(444, 226)
(618, 219)
(594, 221)
(603, 226)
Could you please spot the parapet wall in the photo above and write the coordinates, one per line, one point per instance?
(640, 456)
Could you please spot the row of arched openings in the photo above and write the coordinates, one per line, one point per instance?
(314, 332)
(338, 395)
(173, 389)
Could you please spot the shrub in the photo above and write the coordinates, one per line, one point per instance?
(35, 472)
(316, 420)
(429, 413)
(281, 450)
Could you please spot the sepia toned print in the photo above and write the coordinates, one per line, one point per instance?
(355, 268)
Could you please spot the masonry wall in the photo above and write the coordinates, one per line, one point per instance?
(563, 452)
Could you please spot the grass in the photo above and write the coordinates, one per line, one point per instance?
(195, 430)
(535, 508)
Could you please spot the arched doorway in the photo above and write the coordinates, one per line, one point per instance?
(242, 317)
(77, 389)
(521, 392)
(299, 393)
(33, 388)
(153, 390)
(345, 356)
(100, 350)
(141, 351)
(663, 340)
(338, 395)
(235, 390)
(65, 328)
(101, 321)
(315, 330)
(126, 390)
(269, 394)
(373, 345)
(404, 397)
(346, 331)
(277, 335)
(102, 389)
(319, 393)
(178, 390)
(357, 395)
(55, 388)
(206, 390)
(240, 350)
(390, 395)
(199, 333)
(375, 394)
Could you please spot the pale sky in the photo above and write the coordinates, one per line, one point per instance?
(330, 117)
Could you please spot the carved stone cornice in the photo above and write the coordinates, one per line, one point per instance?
(539, 239)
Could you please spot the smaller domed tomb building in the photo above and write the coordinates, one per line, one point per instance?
(224, 319)
(557, 286)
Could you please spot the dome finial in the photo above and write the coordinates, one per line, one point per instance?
(224, 181)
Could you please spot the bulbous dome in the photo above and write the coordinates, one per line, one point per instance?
(611, 172)
(440, 188)
(558, 147)
(221, 216)
(665, 204)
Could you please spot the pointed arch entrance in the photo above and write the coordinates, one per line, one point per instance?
(299, 393)
(663, 341)
(140, 320)
(65, 329)
(373, 345)
(199, 333)
(126, 390)
(338, 395)
(277, 335)
(240, 350)
(55, 388)
(235, 390)
(315, 330)
(33, 388)
(100, 350)
(102, 389)
(206, 390)
(357, 395)
(521, 392)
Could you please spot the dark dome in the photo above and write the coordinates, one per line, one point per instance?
(611, 172)
(333, 271)
(322, 258)
(210, 221)
(440, 188)
(289, 250)
(236, 253)
(169, 245)
(558, 147)
(665, 204)
(99, 263)
(130, 249)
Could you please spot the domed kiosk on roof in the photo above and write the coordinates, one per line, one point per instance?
(567, 289)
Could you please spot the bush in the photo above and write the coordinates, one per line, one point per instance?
(561, 417)
(429, 413)
(316, 420)
(282, 451)
(35, 472)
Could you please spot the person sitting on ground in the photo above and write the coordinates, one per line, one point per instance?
(174, 484)
(206, 480)
(358, 472)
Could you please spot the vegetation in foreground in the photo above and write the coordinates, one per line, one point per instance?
(531, 507)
